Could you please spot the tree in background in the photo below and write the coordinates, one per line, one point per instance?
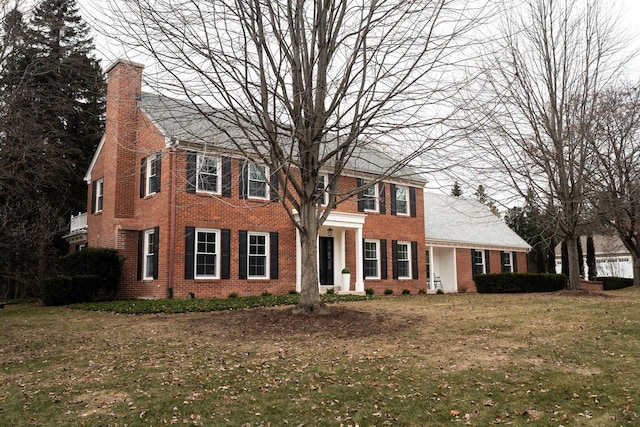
(553, 60)
(591, 258)
(456, 191)
(580, 256)
(482, 197)
(52, 97)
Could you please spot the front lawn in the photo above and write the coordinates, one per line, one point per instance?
(468, 359)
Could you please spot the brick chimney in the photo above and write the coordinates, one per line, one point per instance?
(124, 86)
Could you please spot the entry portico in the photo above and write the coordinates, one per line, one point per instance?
(332, 252)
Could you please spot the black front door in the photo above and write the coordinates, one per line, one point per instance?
(325, 260)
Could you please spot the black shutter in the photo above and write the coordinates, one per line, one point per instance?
(487, 262)
(360, 196)
(244, 170)
(514, 261)
(157, 180)
(273, 187)
(363, 258)
(414, 260)
(226, 177)
(140, 254)
(94, 185)
(503, 267)
(189, 252)
(273, 255)
(242, 255)
(382, 201)
(394, 258)
(383, 258)
(474, 269)
(156, 248)
(392, 190)
(143, 170)
(192, 159)
(225, 258)
(412, 202)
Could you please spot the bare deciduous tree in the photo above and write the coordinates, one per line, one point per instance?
(615, 175)
(310, 84)
(543, 81)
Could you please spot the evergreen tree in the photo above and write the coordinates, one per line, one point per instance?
(52, 98)
(591, 259)
(580, 257)
(456, 191)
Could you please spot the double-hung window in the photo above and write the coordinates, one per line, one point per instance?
(403, 259)
(370, 198)
(152, 181)
(321, 187)
(257, 252)
(150, 255)
(207, 259)
(478, 262)
(99, 194)
(257, 181)
(402, 200)
(507, 264)
(208, 176)
(371, 259)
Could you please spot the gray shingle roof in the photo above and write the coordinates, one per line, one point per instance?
(458, 221)
(185, 122)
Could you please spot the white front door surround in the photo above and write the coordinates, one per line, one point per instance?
(336, 224)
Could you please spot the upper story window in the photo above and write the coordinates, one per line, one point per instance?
(371, 259)
(402, 200)
(370, 198)
(257, 181)
(208, 177)
(150, 175)
(97, 196)
(321, 187)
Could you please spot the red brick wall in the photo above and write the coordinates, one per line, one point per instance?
(465, 271)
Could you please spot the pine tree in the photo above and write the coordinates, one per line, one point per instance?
(456, 191)
(591, 259)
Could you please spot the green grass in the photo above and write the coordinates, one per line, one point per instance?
(541, 360)
(207, 305)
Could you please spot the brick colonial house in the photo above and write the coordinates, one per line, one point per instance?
(194, 217)
(463, 238)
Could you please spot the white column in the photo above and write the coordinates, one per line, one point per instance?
(431, 268)
(359, 261)
(455, 268)
(298, 262)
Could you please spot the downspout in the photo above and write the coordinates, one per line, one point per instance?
(172, 218)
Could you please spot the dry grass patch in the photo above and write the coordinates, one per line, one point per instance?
(421, 360)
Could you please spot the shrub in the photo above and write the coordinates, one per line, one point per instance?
(63, 290)
(266, 294)
(508, 283)
(613, 283)
(102, 262)
(293, 292)
(462, 289)
(422, 292)
(406, 292)
(233, 295)
(369, 291)
(439, 292)
(388, 291)
(330, 291)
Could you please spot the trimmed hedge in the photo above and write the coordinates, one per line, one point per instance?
(613, 283)
(102, 262)
(511, 283)
(64, 290)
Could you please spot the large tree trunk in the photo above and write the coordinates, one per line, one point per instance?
(574, 268)
(636, 270)
(310, 302)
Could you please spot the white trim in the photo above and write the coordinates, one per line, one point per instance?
(408, 260)
(99, 196)
(471, 245)
(266, 255)
(146, 253)
(147, 179)
(510, 260)
(376, 197)
(377, 259)
(87, 176)
(217, 254)
(407, 203)
(199, 159)
(325, 193)
(265, 175)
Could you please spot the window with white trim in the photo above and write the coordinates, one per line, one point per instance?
(370, 198)
(208, 177)
(478, 262)
(258, 255)
(371, 259)
(149, 256)
(403, 258)
(321, 187)
(257, 181)
(507, 264)
(207, 259)
(402, 200)
(99, 194)
(152, 174)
